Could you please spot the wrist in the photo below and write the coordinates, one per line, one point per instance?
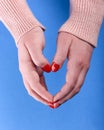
(85, 20)
(18, 18)
(29, 36)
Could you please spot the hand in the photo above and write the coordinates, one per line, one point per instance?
(32, 63)
(79, 55)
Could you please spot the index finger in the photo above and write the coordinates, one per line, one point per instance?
(34, 94)
(72, 75)
(35, 84)
(31, 75)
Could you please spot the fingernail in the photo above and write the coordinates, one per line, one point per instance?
(51, 106)
(55, 67)
(47, 68)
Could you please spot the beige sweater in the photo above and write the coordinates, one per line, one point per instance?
(85, 19)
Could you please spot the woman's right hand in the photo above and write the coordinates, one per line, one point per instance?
(32, 63)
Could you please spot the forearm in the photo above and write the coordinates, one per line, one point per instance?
(17, 17)
(85, 19)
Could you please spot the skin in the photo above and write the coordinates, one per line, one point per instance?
(31, 60)
(78, 53)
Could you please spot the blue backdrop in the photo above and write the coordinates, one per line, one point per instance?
(18, 111)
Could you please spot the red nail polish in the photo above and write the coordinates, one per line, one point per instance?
(55, 67)
(52, 106)
(47, 68)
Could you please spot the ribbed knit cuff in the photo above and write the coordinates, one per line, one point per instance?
(85, 19)
(17, 17)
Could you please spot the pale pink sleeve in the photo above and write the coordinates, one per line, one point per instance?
(85, 19)
(17, 17)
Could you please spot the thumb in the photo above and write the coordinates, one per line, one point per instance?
(38, 58)
(42, 62)
(62, 51)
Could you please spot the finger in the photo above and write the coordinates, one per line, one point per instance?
(33, 93)
(63, 44)
(34, 82)
(73, 71)
(77, 87)
(23, 55)
(42, 79)
(35, 50)
(43, 83)
(28, 70)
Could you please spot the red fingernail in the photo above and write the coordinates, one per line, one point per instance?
(47, 68)
(55, 67)
(52, 106)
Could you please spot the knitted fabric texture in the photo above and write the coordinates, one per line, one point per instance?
(85, 19)
(17, 17)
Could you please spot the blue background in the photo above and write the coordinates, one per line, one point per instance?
(18, 111)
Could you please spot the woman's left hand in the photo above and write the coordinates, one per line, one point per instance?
(79, 54)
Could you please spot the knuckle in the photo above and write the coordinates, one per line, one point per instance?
(76, 90)
(65, 100)
(80, 83)
(71, 85)
(60, 57)
(87, 65)
(80, 62)
(36, 76)
(39, 63)
(39, 59)
(36, 79)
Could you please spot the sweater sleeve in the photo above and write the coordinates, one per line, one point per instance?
(17, 17)
(85, 19)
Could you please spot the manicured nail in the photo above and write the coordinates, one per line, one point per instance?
(47, 68)
(51, 106)
(55, 67)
